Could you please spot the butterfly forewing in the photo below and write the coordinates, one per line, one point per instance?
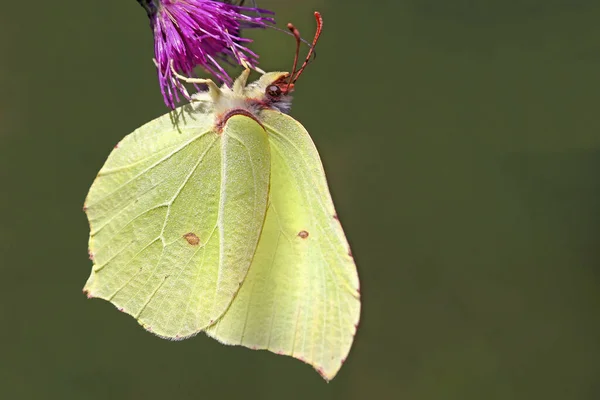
(175, 216)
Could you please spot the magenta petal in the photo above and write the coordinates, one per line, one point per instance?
(198, 33)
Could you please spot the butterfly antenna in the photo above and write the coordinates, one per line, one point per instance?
(296, 34)
(312, 48)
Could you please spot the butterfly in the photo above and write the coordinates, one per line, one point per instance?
(217, 217)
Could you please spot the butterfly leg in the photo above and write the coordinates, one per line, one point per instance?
(213, 89)
(240, 82)
(187, 79)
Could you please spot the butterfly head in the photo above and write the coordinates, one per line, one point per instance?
(272, 91)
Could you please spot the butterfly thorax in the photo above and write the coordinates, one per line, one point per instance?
(270, 92)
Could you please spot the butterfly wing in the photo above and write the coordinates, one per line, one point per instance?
(175, 216)
(301, 295)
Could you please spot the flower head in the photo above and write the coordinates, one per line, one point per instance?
(190, 33)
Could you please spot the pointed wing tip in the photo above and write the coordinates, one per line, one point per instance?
(87, 292)
(326, 374)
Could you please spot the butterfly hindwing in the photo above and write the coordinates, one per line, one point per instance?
(301, 295)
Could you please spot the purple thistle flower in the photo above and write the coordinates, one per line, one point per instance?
(190, 33)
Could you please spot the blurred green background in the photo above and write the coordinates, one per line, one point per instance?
(462, 145)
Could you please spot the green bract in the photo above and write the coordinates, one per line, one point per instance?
(218, 218)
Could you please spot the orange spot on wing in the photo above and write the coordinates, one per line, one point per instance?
(192, 238)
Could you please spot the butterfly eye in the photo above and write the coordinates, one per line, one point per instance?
(274, 91)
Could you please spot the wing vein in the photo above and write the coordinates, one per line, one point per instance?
(157, 163)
